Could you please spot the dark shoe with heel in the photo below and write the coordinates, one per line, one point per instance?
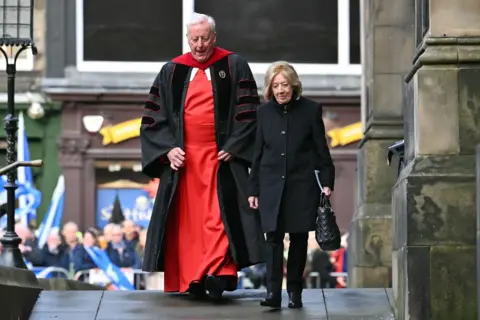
(295, 300)
(272, 301)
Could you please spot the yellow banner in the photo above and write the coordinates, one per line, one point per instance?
(121, 132)
(346, 135)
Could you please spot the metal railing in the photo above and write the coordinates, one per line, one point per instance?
(50, 272)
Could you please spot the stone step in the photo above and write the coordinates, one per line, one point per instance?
(332, 304)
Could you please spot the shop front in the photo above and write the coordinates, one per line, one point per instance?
(102, 163)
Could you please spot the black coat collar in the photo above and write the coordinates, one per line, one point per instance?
(294, 101)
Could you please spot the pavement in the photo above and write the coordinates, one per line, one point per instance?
(327, 304)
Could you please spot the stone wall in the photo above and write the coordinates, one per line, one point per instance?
(387, 50)
(434, 200)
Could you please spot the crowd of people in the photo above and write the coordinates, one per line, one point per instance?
(124, 244)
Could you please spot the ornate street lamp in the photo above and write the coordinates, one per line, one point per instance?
(16, 36)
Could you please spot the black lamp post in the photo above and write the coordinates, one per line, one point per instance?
(16, 33)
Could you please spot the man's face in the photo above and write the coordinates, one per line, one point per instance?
(53, 240)
(117, 236)
(201, 40)
(70, 233)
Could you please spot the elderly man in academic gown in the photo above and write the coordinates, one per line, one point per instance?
(197, 136)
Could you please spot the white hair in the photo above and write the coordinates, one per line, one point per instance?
(198, 18)
(116, 228)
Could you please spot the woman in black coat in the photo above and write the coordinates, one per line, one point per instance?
(290, 145)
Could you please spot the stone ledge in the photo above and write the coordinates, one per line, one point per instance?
(448, 165)
(19, 291)
(383, 129)
(59, 284)
(445, 51)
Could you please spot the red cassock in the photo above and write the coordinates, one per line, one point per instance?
(196, 243)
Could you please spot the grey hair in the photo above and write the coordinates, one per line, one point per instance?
(198, 18)
(117, 227)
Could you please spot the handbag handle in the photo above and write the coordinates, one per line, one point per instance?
(324, 201)
(317, 176)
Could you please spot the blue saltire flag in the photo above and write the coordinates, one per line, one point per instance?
(53, 218)
(114, 273)
(27, 209)
(34, 194)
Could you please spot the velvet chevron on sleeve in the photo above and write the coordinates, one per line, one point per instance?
(240, 143)
(156, 136)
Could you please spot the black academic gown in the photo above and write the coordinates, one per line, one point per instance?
(236, 101)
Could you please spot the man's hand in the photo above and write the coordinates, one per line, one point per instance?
(224, 156)
(327, 191)
(253, 201)
(23, 248)
(177, 158)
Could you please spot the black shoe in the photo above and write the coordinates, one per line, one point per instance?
(272, 301)
(295, 300)
(197, 290)
(214, 287)
(230, 283)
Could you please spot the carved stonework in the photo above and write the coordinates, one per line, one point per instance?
(72, 150)
(73, 145)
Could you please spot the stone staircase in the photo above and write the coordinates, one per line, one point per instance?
(332, 304)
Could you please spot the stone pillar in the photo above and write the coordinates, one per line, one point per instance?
(434, 206)
(478, 224)
(72, 147)
(388, 46)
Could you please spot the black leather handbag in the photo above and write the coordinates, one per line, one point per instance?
(327, 232)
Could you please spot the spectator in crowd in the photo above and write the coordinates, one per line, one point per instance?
(130, 232)
(54, 253)
(257, 275)
(340, 261)
(81, 258)
(323, 266)
(104, 239)
(121, 253)
(29, 247)
(70, 239)
(142, 238)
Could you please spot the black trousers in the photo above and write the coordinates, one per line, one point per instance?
(297, 258)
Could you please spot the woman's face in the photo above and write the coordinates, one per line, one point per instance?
(281, 88)
(88, 240)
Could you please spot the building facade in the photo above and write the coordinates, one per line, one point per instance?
(102, 64)
(42, 127)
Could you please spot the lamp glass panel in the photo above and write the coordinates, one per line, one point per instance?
(15, 19)
(25, 15)
(11, 15)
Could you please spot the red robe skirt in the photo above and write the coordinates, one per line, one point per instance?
(196, 243)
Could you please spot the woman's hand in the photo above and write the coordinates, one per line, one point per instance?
(327, 191)
(253, 201)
